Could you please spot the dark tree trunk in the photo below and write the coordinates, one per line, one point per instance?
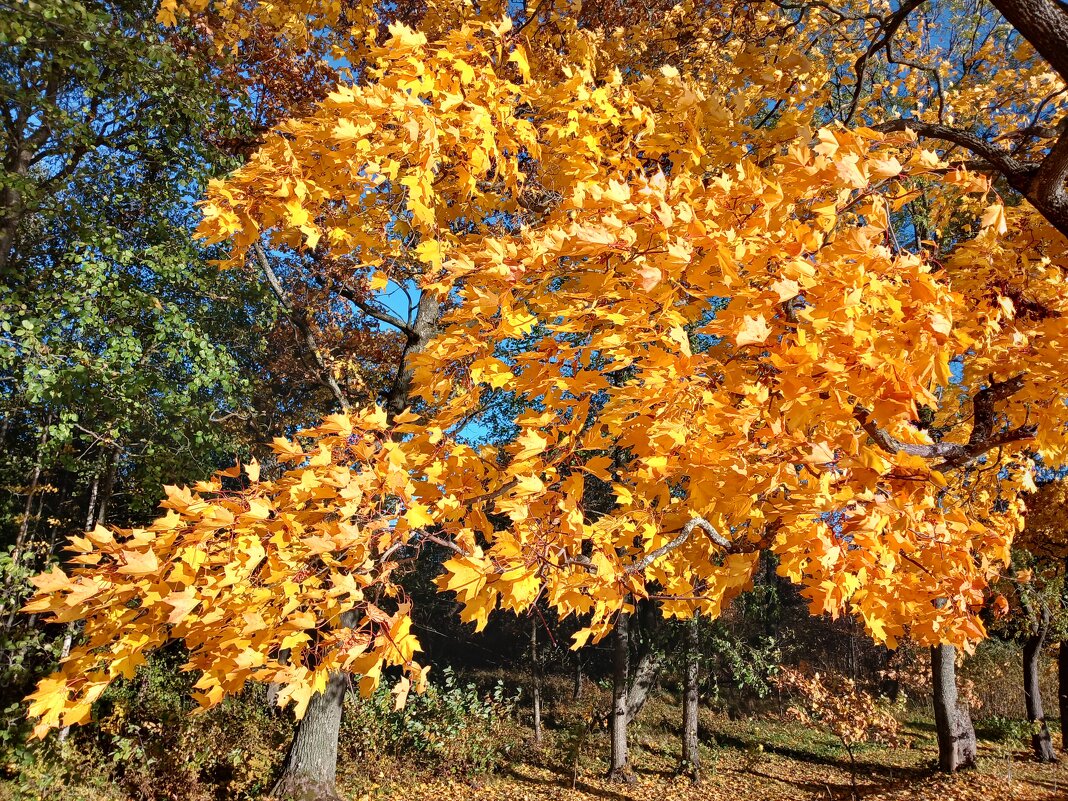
(641, 686)
(535, 679)
(14, 592)
(1041, 741)
(691, 756)
(310, 771)
(108, 487)
(953, 723)
(1062, 668)
(620, 770)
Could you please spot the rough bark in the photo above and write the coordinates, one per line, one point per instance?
(620, 769)
(645, 674)
(1062, 692)
(691, 756)
(310, 771)
(953, 723)
(1043, 23)
(1041, 742)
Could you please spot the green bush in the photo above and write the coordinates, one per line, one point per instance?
(1000, 729)
(452, 727)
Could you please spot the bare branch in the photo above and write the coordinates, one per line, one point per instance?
(687, 530)
(983, 437)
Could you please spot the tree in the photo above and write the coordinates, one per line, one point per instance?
(1035, 595)
(582, 209)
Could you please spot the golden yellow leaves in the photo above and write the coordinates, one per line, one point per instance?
(241, 576)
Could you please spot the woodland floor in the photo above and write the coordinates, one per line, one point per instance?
(757, 760)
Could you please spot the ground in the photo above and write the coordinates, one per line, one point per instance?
(758, 760)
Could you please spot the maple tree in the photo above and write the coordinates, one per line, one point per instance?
(677, 249)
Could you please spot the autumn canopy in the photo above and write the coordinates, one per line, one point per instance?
(717, 319)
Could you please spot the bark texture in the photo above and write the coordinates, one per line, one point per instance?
(953, 723)
(691, 756)
(310, 771)
(620, 769)
(644, 679)
(1041, 742)
(1062, 692)
(535, 680)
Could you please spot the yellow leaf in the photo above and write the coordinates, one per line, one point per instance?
(753, 330)
(139, 563)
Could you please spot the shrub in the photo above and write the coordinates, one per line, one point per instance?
(451, 727)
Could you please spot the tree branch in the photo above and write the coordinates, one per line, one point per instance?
(301, 322)
(887, 29)
(687, 530)
(983, 437)
(382, 315)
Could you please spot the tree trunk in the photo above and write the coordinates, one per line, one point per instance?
(1062, 691)
(1041, 741)
(641, 687)
(310, 771)
(620, 770)
(535, 679)
(691, 756)
(576, 690)
(68, 635)
(108, 488)
(68, 641)
(953, 723)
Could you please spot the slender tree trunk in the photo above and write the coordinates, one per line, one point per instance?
(953, 723)
(691, 754)
(620, 769)
(90, 512)
(576, 690)
(1041, 741)
(68, 641)
(68, 634)
(1062, 691)
(108, 487)
(535, 679)
(310, 771)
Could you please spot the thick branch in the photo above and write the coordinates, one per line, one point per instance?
(1043, 23)
(1045, 185)
(382, 315)
(983, 437)
(687, 530)
(998, 158)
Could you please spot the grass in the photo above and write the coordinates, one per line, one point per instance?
(762, 759)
